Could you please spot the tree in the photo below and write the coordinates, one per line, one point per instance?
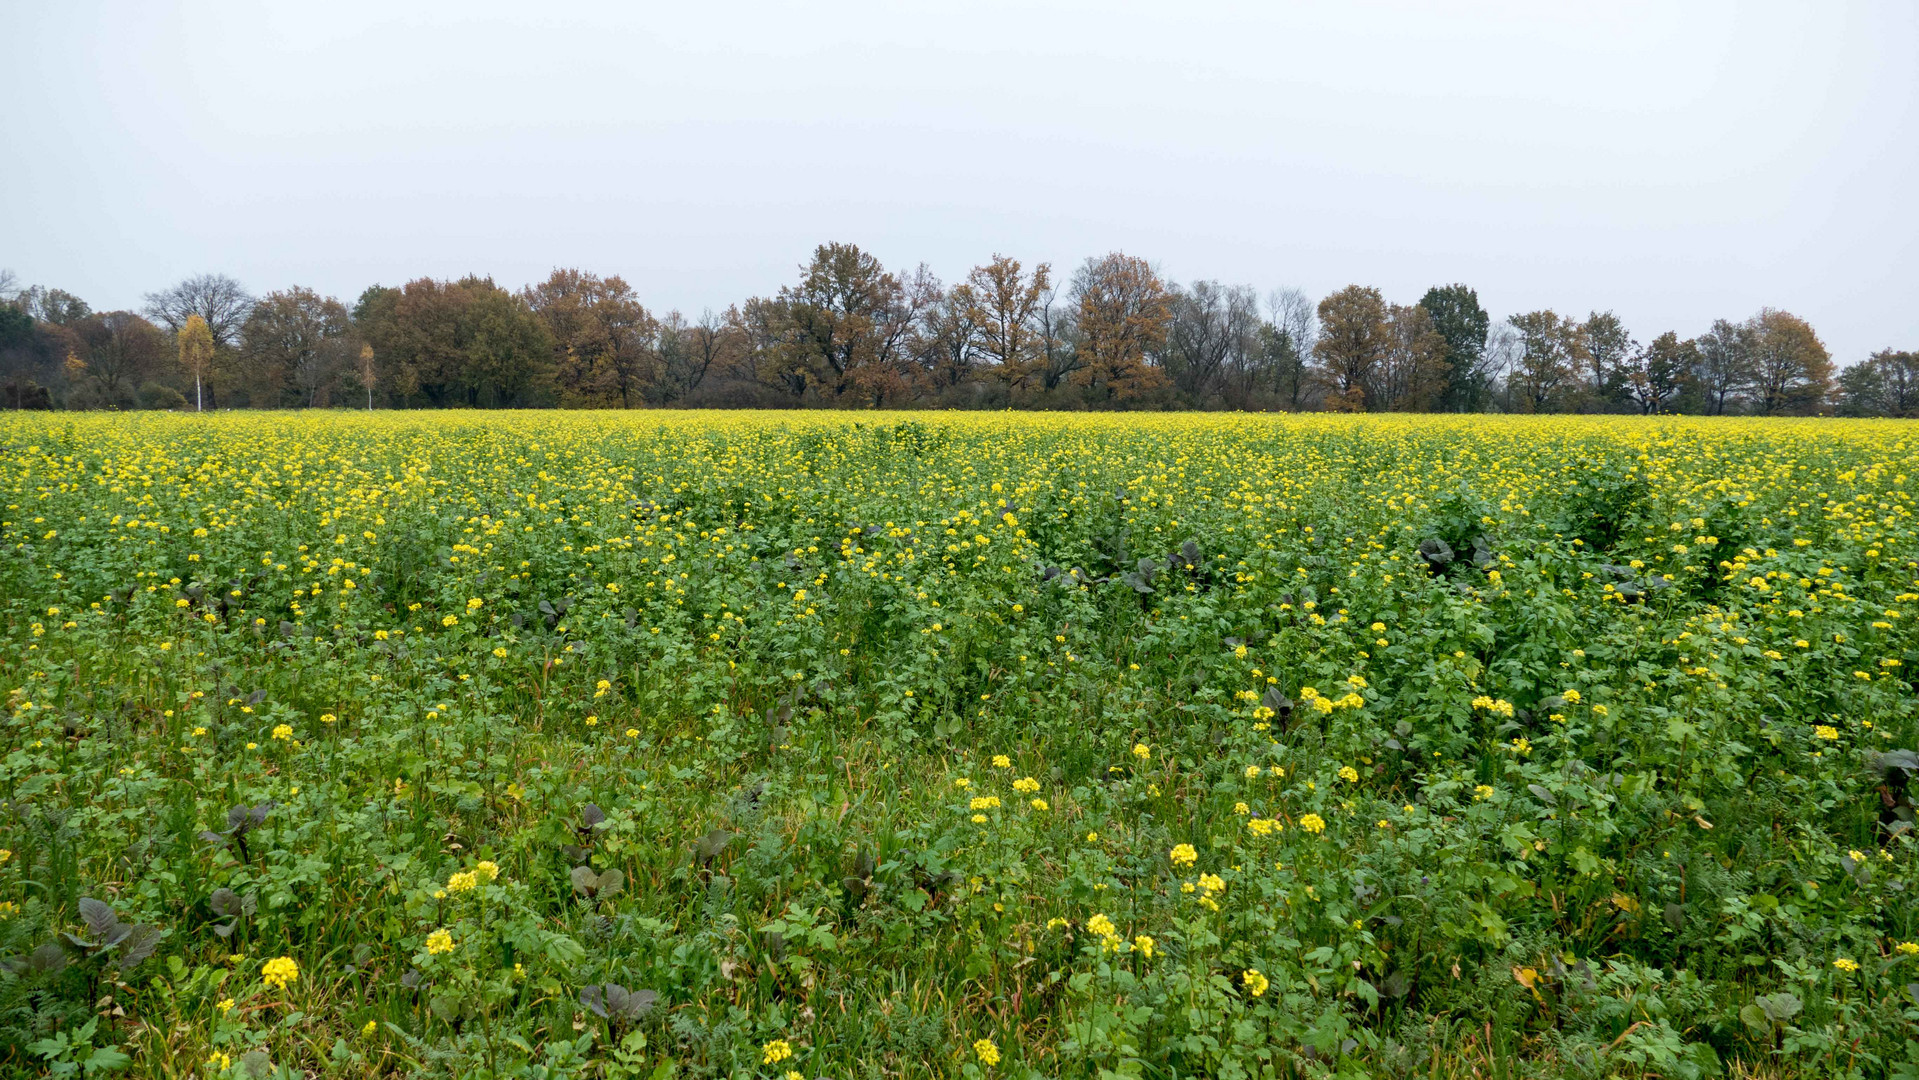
(1286, 342)
(196, 356)
(716, 342)
(216, 298)
(1654, 375)
(1898, 376)
(950, 343)
(1007, 307)
(845, 328)
(466, 342)
(1884, 384)
(121, 350)
(1608, 347)
(1123, 309)
(1552, 351)
(221, 303)
(1724, 369)
(294, 345)
(56, 306)
(1354, 335)
(1462, 325)
(367, 374)
(1791, 370)
(1411, 373)
(603, 337)
(1212, 339)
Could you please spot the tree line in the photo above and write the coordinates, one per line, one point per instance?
(849, 333)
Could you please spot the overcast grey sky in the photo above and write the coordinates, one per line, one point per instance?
(1673, 161)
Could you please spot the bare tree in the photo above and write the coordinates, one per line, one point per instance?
(1058, 328)
(216, 298)
(1212, 338)
(1500, 359)
(1292, 329)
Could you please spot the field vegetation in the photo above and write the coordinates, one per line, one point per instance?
(809, 745)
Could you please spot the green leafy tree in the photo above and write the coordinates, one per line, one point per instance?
(459, 343)
(1462, 324)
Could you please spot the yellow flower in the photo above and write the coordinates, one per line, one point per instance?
(1571, 695)
(1101, 925)
(632, 733)
(369, 1029)
(1026, 785)
(283, 732)
(1001, 761)
(1844, 964)
(225, 1006)
(462, 881)
(775, 1052)
(1252, 772)
(1145, 945)
(1908, 948)
(279, 972)
(1256, 983)
(1241, 808)
(962, 782)
(1312, 823)
(487, 869)
(985, 802)
(1040, 804)
(1183, 855)
(986, 1052)
(1349, 774)
(1825, 731)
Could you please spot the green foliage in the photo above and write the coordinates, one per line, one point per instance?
(569, 746)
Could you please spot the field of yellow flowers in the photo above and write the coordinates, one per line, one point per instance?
(810, 745)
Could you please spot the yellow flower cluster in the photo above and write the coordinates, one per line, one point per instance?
(280, 972)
